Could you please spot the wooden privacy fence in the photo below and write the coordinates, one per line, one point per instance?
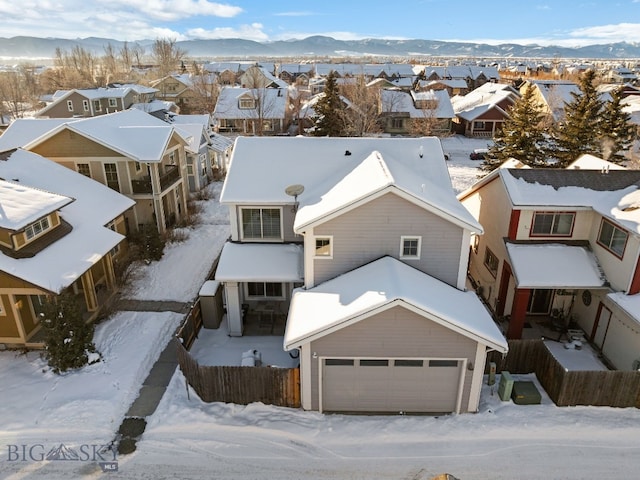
(611, 388)
(242, 385)
(191, 325)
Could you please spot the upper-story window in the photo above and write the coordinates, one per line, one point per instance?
(37, 228)
(491, 262)
(113, 102)
(552, 224)
(247, 102)
(324, 247)
(83, 169)
(261, 223)
(85, 105)
(410, 247)
(612, 238)
(70, 105)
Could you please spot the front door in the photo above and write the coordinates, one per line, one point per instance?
(540, 302)
(601, 326)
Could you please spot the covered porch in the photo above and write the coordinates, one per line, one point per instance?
(258, 281)
(540, 283)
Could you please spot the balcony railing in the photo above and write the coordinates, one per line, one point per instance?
(143, 185)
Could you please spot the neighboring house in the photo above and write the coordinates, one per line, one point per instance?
(482, 112)
(131, 152)
(252, 111)
(561, 244)
(259, 77)
(363, 244)
(453, 87)
(220, 148)
(400, 109)
(474, 76)
(196, 130)
(296, 73)
(388, 71)
(92, 102)
(552, 95)
(185, 90)
(58, 231)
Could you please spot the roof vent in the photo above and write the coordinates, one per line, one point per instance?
(347, 153)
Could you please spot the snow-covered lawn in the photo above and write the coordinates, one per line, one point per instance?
(188, 439)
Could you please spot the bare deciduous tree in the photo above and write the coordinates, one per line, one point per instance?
(167, 56)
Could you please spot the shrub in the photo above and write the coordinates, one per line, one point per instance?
(68, 338)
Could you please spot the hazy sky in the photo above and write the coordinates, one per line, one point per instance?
(550, 22)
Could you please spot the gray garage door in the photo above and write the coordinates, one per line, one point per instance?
(390, 385)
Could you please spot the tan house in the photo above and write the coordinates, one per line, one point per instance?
(131, 152)
(58, 231)
(362, 244)
(561, 247)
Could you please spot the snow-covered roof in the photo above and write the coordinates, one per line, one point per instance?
(337, 172)
(629, 303)
(383, 284)
(260, 262)
(482, 99)
(554, 265)
(591, 162)
(398, 101)
(273, 103)
(612, 194)
(220, 143)
(60, 264)
(193, 134)
(133, 133)
(22, 204)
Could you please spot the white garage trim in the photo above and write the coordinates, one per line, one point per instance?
(461, 369)
(478, 373)
(305, 376)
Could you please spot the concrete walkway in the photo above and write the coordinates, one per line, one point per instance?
(155, 384)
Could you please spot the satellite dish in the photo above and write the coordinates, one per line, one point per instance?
(294, 190)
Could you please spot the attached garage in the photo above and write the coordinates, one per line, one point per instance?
(387, 338)
(409, 385)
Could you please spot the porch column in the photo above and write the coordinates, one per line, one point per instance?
(518, 313)
(89, 291)
(234, 309)
(107, 262)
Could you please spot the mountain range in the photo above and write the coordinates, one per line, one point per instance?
(322, 46)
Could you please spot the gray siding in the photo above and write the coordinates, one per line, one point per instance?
(373, 230)
(398, 332)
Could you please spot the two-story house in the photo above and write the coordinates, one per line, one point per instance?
(252, 111)
(561, 244)
(362, 243)
(405, 112)
(91, 102)
(131, 152)
(58, 231)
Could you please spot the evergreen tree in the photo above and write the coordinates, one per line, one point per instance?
(578, 133)
(329, 110)
(616, 132)
(68, 338)
(522, 135)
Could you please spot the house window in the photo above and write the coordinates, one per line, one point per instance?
(38, 302)
(85, 105)
(552, 224)
(113, 102)
(172, 158)
(478, 125)
(324, 247)
(612, 238)
(97, 106)
(491, 262)
(138, 166)
(83, 169)
(397, 123)
(410, 247)
(264, 290)
(37, 228)
(70, 105)
(111, 176)
(261, 223)
(247, 102)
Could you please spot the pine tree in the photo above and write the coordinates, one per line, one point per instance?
(68, 338)
(522, 136)
(616, 132)
(578, 133)
(329, 110)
